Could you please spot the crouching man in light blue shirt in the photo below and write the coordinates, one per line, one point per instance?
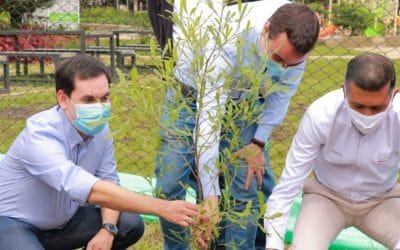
(62, 164)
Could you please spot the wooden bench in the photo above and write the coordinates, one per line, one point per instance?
(118, 33)
(25, 55)
(120, 52)
(16, 34)
(117, 55)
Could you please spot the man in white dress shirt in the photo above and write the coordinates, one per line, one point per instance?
(350, 137)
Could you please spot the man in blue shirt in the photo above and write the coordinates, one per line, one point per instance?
(274, 46)
(62, 164)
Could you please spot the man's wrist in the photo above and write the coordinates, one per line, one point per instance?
(260, 144)
(111, 228)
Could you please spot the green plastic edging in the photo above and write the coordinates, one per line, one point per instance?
(64, 17)
(349, 239)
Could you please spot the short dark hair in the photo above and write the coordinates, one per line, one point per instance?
(300, 24)
(370, 72)
(81, 67)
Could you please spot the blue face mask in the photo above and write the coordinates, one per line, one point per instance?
(275, 70)
(92, 118)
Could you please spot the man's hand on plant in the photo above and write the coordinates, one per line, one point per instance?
(179, 212)
(254, 156)
(209, 218)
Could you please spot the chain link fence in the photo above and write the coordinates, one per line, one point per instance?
(119, 32)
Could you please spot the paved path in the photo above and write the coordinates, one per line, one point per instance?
(391, 52)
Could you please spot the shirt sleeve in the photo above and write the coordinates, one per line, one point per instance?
(211, 108)
(277, 102)
(304, 149)
(45, 157)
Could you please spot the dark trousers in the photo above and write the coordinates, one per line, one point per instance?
(86, 223)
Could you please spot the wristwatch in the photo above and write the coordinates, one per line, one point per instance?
(110, 228)
(260, 144)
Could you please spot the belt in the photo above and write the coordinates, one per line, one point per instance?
(186, 90)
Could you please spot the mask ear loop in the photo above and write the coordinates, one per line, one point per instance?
(67, 114)
(394, 92)
(265, 44)
(263, 47)
(391, 99)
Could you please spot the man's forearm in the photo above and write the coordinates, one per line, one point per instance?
(112, 196)
(109, 215)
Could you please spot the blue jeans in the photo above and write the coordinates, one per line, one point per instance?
(175, 169)
(86, 223)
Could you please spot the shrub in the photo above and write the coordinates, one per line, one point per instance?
(34, 41)
(4, 19)
(352, 16)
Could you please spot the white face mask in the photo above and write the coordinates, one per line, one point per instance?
(367, 124)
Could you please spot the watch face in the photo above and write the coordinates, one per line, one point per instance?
(111, 228)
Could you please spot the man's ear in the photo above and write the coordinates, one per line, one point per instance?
(62, 99)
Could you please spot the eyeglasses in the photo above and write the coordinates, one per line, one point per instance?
(273, 55)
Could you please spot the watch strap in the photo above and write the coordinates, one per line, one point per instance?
(110, 228)
(258, 143)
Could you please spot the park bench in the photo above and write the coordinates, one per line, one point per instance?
(117, 55)
(15, 34)
(118, 33)
(41, 56)
(139, 47)
(120, 52)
